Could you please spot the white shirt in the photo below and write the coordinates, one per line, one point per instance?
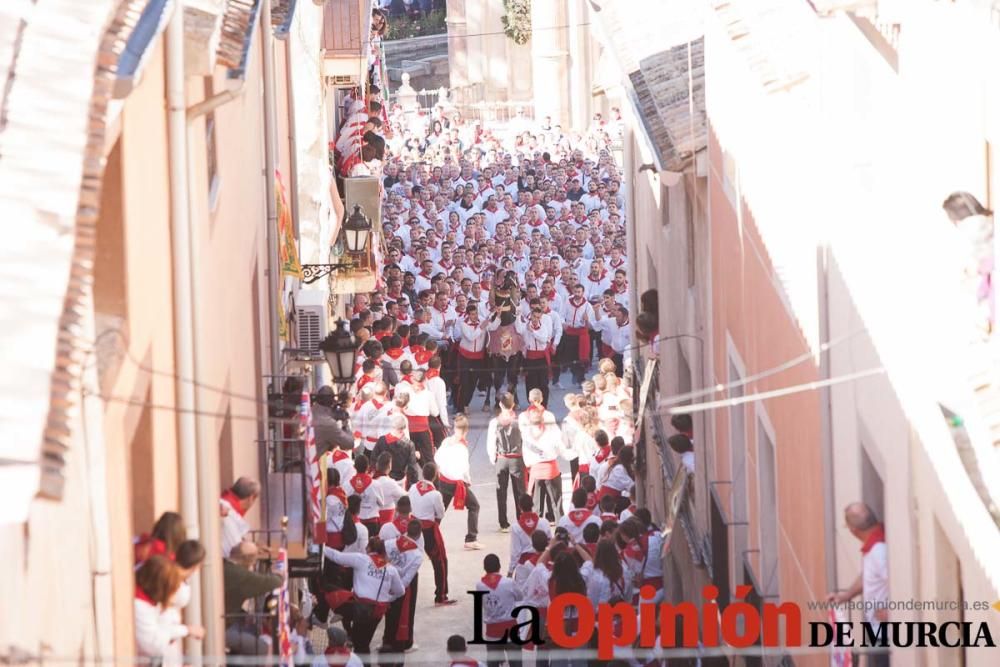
(601, 590)
(452, 459)
(360, 545)
(520, 539)
(426, 506)
(391, 491)
(594, 289)
(499, 601)
(234, 529)
(370, 581)
(539, 446)
(389, 531)
(535, 339)
(875, 578)
(153, 632)
(575, 315)
(576, 520)
(406, 562)
(619, 480)
(439, 391)
(371, 498)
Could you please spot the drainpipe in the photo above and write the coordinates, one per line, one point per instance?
(270, 155)
(826, 419)
(180, 231)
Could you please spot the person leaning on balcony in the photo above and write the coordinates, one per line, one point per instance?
(873, 582)
(235, 502)
(156, 584)
(329, 432)
(241, 583)
(189, 557)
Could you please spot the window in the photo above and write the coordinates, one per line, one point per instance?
(872, 488)
(768, 511)
(211, 148)
(110, 283)
(141, 469)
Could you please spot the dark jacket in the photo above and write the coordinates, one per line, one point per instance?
(241, 584)
(404, 458)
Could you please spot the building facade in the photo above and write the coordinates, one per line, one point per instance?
(166, 400)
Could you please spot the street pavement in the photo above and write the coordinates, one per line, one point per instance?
(435, 624)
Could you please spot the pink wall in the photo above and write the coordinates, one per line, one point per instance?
(747, 307)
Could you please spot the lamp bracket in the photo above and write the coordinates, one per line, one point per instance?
(313, 272)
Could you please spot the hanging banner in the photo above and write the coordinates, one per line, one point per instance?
(313, 480)
(288, 250)
(285, 649)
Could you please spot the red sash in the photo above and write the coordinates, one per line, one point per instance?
(583, 341)
(608, 491)
(418, 423)
(469, 354)
(460, 492)
(606, 351)
(544, 471)
(385, 516)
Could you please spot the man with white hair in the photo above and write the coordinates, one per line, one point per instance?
(235, 502)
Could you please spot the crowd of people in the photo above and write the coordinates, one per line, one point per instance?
(503, 274)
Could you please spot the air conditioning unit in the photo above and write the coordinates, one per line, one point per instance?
(341, 81)
(310, 315)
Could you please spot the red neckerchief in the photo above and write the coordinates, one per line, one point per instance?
(149, 546)
(602, 454)
(379, 560)
(577, 304)
(378, 404)
(337, 650)
(360, 482)
(877, 535)
(404, 544)
(395, 353)
(465, 662)
(141, 595)
(632, 550)
(234, 500)
(432, 373)
(408, 379)
(401, 523)
(380, 335)
(579, 516)
(391, 438)
(528, 521)
(421, 356)
(364, 379)
(622, 290)
(338, 493)
(492, 580)
(339, 455)
(424, 487)
(615, 266)
(529, 557)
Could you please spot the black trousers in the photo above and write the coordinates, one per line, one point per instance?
(439, 560)
(619, 364)
(405, 604)
(550, 489)
(536, 376)
(438, 431)
(424, 443)
(372, 525)
(360, 626)
(497, 653)
(510, 470)
(569, 357)
(471, 374)
(505, 370)
(471, 507)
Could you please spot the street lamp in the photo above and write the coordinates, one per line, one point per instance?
(354, 235)
(340, 350)
(357, 229)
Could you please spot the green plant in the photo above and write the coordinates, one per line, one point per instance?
(407, 28)
(517, 20)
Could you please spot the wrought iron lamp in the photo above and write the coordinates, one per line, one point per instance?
(340, 350)
(355, 234)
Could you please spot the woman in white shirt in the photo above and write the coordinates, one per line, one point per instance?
(607, 583)
(189, 557)
(156, 583)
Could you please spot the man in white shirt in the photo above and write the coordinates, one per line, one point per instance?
(577, 316)
(428, 508)
(455, 480)
(406, 554)
(579, 517)
(498, 598)
(537, 334)
(873, 582)
(373, 416)
(472, 355)
(234, 503)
